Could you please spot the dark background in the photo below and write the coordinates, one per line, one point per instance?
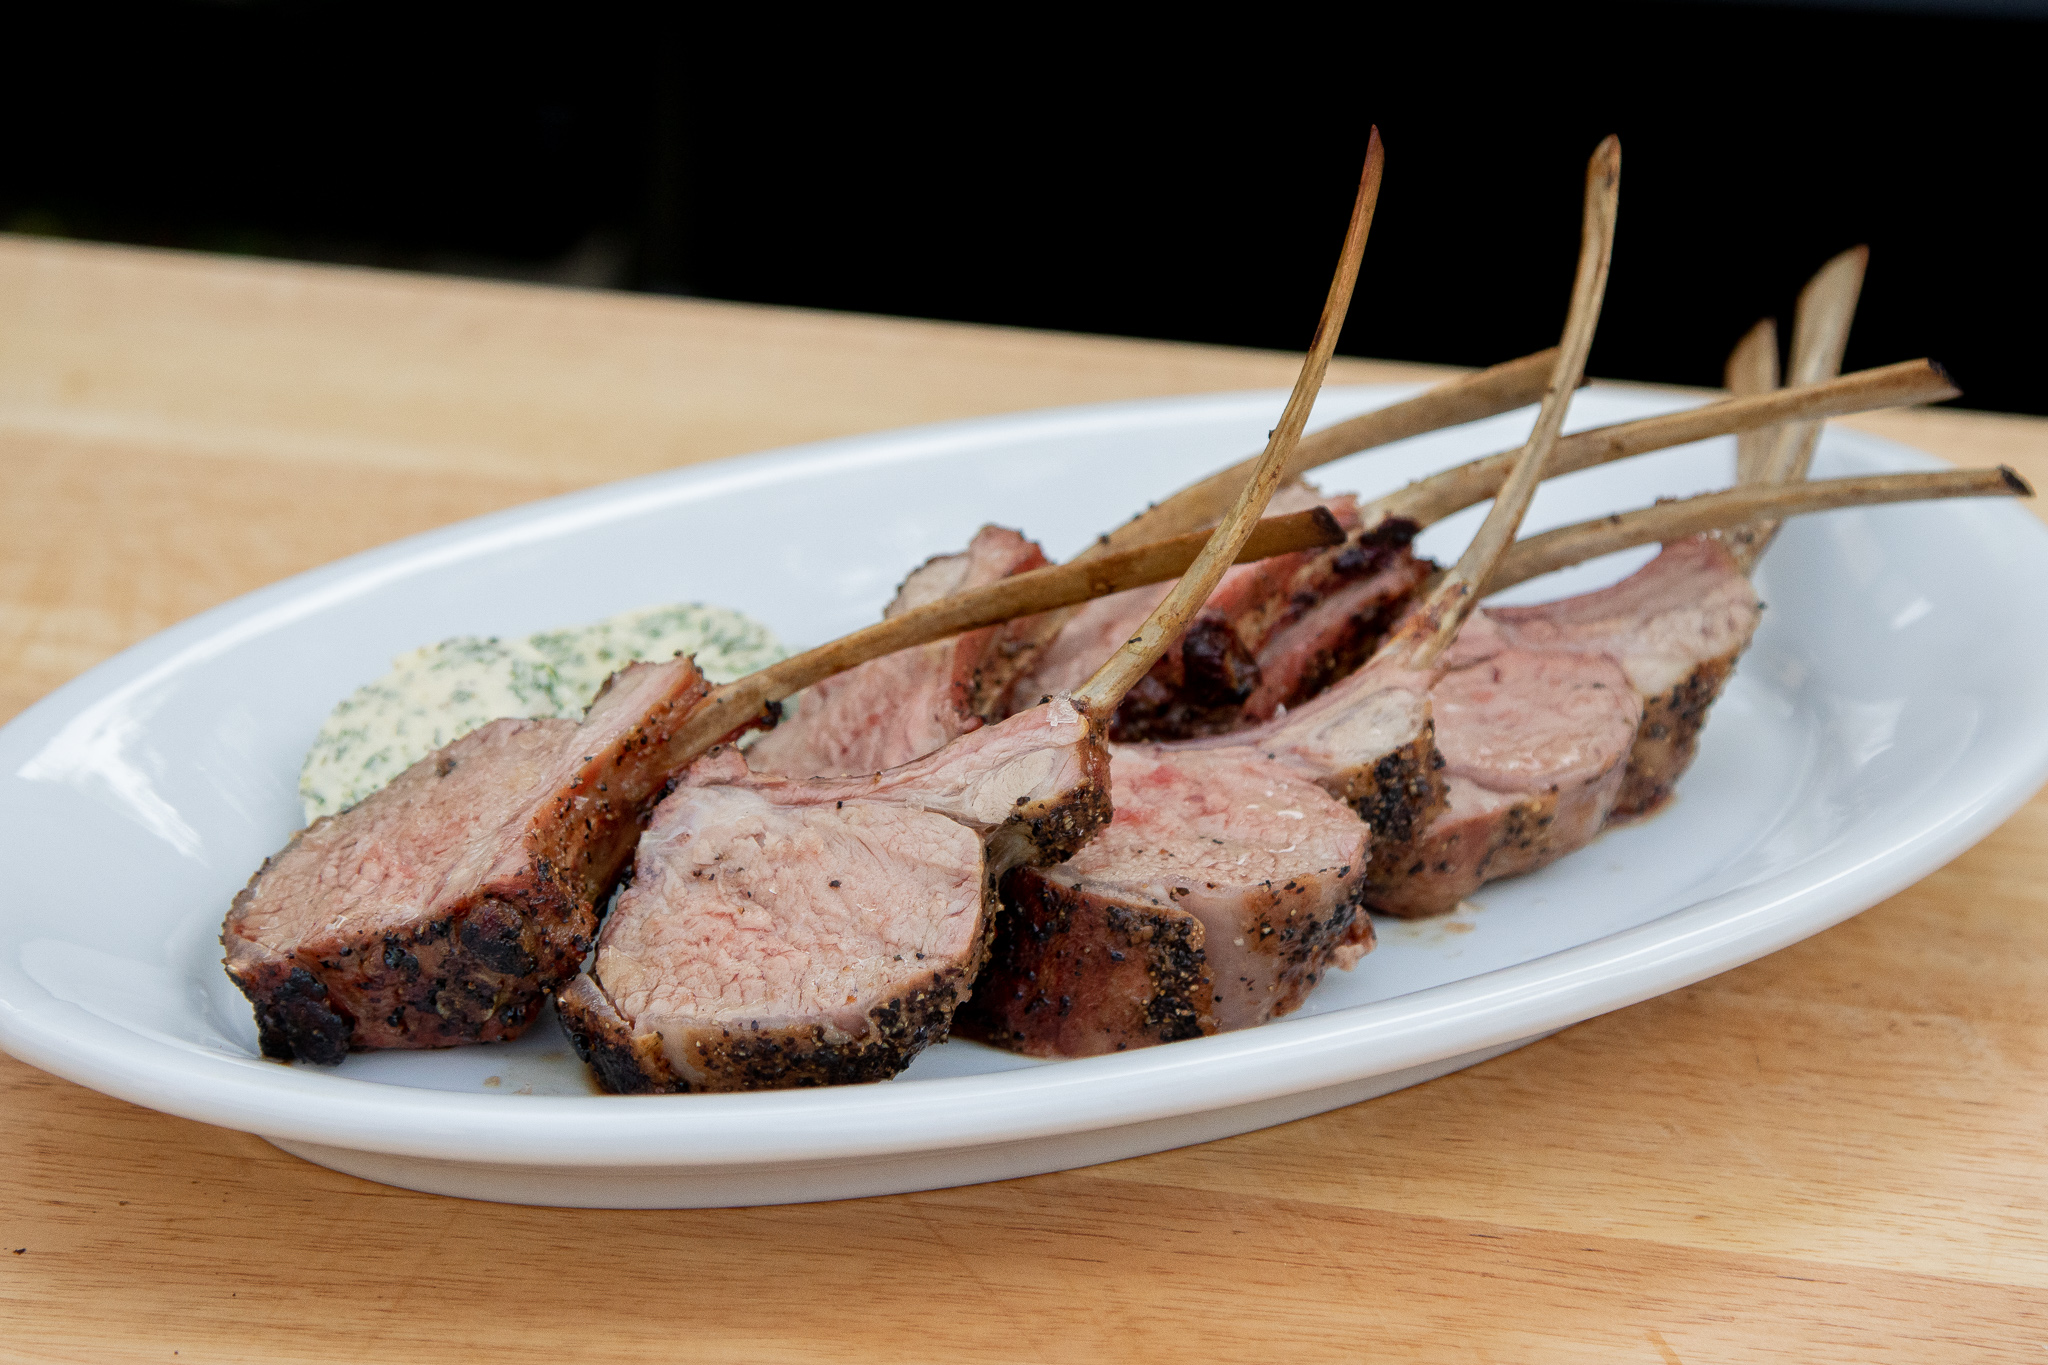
(1045, 169)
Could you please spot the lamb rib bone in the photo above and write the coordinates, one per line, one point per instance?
(1746, 506)
(1101, 953)
(1324, 638)
(1752, 369)
(804, 931)
(1024, 594)
(1370, 740)
(1820, 334)
(1438, 495)
(1467, 398)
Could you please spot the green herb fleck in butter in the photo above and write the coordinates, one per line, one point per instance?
(440, 693)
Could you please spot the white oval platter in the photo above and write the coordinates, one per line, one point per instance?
(1889, 714)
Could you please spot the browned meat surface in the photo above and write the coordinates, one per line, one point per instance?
(1676, 626)
(905, 705)
(785, 932)
(1331, 637)
(1222, 890)
(1200, 683)
(1534, 744)
(445, 907)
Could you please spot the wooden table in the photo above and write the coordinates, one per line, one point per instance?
(1834, 1153)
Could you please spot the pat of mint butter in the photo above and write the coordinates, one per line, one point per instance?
(437, 694)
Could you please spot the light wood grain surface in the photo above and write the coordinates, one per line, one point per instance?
(1836, 1153)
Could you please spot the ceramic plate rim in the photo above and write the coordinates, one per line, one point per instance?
(1286, 1057)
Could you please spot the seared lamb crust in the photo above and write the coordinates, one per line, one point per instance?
(1397, 794)
(477, 974)
(1075, 974)
(1184, 916)
(1329, 639)
(444, 908)
(1534, 743)
(1200, 684)
(1668, 738)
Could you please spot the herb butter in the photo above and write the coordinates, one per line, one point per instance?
(437, 694)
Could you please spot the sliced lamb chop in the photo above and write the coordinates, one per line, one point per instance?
(1048, 988)
(1673, 630)
(1547, 687)
(1535, 745)
(902, 706)
(782, 932)
(1222, 890)
(802, 931)
(1678, 625)
(442, 909)
(1675, 627)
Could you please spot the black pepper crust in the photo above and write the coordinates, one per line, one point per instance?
(1075, 974)
(1042, 833)
(1444, 866)
(1344, 653)
(1668, 738)
(478, 973)
(1398, 795)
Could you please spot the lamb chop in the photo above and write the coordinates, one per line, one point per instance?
(1673, 629)
(1116, 949)
(1096, 954)
(1121, 897)
(444, 908)
(784, 931)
